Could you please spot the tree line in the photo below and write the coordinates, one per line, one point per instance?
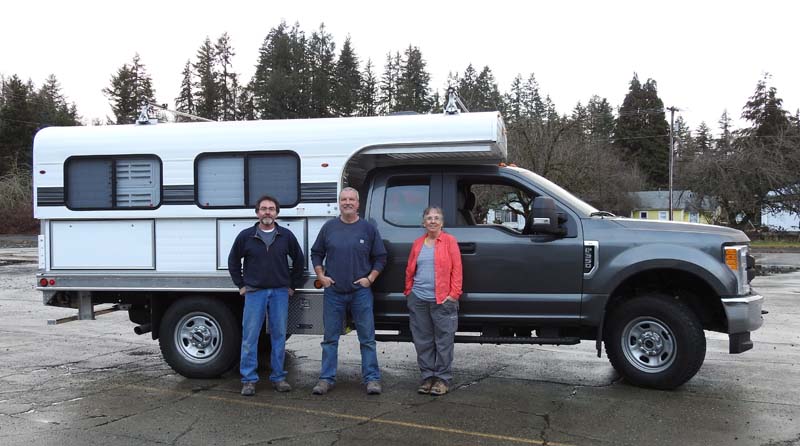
(599, 153)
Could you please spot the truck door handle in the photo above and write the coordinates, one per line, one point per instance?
(467, 248)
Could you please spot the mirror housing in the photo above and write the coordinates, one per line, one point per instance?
(546, 218)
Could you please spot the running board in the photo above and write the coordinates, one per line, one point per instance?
(490, 340)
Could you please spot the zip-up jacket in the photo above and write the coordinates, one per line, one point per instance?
(266, 267)
(446, 266)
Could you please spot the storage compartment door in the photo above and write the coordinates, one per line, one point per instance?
(102, 244)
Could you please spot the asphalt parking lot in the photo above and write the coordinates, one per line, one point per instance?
(96, 382)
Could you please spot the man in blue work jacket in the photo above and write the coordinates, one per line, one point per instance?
(266, 285)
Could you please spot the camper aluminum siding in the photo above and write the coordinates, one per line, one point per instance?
(177, 243)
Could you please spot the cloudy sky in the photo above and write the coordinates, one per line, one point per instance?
(705, 55)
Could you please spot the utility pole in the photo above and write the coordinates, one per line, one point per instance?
(672, 111)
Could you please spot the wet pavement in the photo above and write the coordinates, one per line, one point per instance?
(96, 382)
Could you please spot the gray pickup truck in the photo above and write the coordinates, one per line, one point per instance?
(560, 271)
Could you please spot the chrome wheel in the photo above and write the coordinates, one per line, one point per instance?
(198, 337)
(648, 344)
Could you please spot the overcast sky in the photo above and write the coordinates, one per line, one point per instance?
(705, 55)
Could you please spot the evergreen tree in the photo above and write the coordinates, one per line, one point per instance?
(17, 123)
(246, 108)
(515, 100)
(684, 142)
(703, 140)
(51, 108)
(347, 82)
(413, 93)
(601, 119)
(765, 112)
(479, 91)
(725, 138)
(130, 87)
(206, 93)
(24, 110)
(368, 99)
(321, 49)
(388, 86)
(228, 82)
(185, 100)
(641, 132)
(281, 84)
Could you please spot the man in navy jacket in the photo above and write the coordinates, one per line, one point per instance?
(266, 284)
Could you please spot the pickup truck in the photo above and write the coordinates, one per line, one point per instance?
(142, 217)
(646, 289)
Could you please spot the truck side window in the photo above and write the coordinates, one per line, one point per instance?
(113, 182)
(237, 180)
(493, 204)
(405, 200)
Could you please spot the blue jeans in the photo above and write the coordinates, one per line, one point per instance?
(333, 311)
(256, 304)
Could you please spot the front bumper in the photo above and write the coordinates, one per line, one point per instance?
(744, 316)
(743, 312)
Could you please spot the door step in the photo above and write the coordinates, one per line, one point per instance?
(491, 339)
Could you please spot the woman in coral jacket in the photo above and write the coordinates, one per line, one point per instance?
(433, 286)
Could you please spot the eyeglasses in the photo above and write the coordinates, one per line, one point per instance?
(267, 209)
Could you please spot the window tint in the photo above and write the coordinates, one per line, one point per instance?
(405, 200)
(273, 174)
(113, 182)
(239, 179)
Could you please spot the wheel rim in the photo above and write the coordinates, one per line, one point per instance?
(649, 344)
(198, 337)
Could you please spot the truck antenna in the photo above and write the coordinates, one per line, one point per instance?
(454, 102)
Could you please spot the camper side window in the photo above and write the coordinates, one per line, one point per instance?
(113, 182)
(237, 180)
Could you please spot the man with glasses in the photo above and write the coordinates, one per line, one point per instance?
(266, 284)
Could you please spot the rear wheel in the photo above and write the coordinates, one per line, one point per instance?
(200, 337)
(655, 341)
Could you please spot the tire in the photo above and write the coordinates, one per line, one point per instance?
(200, 337)
(655, 341)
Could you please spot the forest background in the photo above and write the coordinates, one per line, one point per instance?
(598, 151)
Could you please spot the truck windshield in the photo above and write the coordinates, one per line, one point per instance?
(557, 192)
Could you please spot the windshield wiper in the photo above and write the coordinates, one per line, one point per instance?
(601, 214)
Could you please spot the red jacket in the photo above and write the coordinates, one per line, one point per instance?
(446, 265)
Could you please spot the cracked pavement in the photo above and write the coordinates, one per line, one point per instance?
(96, 382)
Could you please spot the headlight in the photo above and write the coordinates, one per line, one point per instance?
(736, 259)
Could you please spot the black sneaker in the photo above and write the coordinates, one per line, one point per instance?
(248, 389)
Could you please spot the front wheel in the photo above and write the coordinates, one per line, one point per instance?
(655, 341)
(200, 337)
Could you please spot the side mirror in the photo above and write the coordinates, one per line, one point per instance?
(546, 218)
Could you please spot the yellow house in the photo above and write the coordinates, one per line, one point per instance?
(686, 206)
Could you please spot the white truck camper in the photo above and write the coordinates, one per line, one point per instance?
(141, 217)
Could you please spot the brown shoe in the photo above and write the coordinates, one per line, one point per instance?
(439, 388)
(425, 387)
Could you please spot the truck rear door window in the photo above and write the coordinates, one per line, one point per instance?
(406, 199)
(237, 180)
(113, 182)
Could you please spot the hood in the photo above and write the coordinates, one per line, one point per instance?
(678, 226)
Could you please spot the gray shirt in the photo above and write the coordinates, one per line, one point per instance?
(424, 278)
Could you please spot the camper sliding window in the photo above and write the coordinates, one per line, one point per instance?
(112, 182)
(237, 179)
